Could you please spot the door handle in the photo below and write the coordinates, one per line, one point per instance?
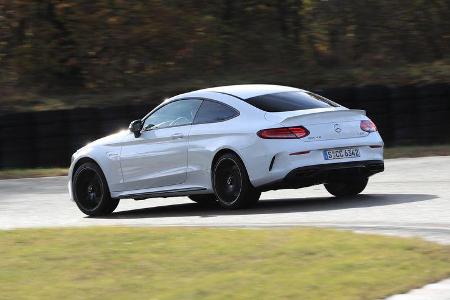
(177, 136)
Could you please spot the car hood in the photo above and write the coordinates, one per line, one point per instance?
(110, 140)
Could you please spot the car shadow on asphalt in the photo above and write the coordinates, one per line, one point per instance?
(272, 206)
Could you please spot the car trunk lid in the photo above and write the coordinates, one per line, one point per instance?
(323, 123)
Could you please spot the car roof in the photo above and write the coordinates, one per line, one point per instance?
(245, 91)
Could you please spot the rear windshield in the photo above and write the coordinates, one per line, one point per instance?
(288, 101)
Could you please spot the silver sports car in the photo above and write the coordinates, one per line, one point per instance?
(226, 145)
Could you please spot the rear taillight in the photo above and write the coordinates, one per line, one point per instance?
(368, 126)
(297, 132)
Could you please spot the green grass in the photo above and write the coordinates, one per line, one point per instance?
(37, 172)
(187, 263)
(416, 151)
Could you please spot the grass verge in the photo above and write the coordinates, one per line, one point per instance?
(416, 151)
(31, 173)
(188, 263)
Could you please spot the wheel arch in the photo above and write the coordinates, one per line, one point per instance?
(223, 151)
(86, 159)
(83, 160)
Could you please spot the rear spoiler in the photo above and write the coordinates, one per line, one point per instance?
(315, 115)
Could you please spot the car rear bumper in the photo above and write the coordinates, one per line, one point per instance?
(269, 161)
(319, 174)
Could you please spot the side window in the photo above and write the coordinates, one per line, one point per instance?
(177, 113)
(210, 112)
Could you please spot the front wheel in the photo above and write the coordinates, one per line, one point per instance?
(231, 183)
(90, 191)
(349, 187)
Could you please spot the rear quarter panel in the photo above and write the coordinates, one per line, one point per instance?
(206, 140)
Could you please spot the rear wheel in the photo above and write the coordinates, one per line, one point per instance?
(231, 183)
(350, 187)
(207, 199)
(90, 191)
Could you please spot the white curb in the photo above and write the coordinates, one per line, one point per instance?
(434, 291)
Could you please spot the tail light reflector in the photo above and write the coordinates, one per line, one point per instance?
(299, 153)
(297, 132)
(368, 126)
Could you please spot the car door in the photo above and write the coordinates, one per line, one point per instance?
(158, 157)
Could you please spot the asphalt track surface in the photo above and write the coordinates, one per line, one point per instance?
(411, 198)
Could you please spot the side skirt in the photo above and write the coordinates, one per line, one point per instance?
(164, 193)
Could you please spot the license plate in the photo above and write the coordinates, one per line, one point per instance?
(341, 153)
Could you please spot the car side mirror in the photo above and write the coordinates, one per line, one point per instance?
(136, 127)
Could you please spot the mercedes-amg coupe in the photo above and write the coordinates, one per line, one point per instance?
(226, 145)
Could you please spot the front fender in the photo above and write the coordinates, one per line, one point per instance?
(106, 157)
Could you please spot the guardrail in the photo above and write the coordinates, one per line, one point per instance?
(404, 115)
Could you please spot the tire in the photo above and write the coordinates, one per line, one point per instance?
(91, 192)
(352, 187)
(207, 199)
(231, 184)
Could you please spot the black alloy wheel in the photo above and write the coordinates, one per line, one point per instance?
(231, 183)
(90, 191)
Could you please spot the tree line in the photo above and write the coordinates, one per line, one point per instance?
(61, 45)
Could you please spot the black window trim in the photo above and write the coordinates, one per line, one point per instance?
(238, 113)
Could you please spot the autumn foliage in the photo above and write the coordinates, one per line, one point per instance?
(85, 45)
